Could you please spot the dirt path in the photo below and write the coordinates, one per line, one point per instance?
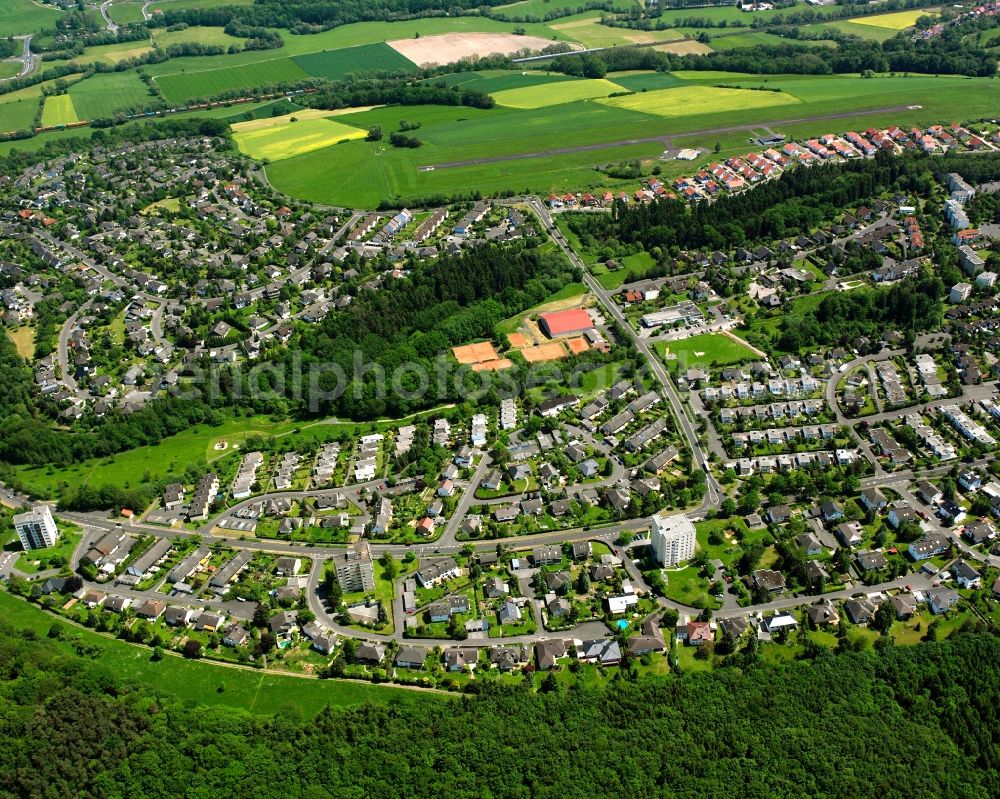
(666, 139)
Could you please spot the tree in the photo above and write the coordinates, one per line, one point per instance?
(261, 616)
(390, 566)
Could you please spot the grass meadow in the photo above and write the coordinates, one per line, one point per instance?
(208, 683)
(59, 110)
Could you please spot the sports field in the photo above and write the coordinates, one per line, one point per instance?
(704, 350)
(59, 110)
(547, 94)
(126, 11)
(282, 137)
(694, 100)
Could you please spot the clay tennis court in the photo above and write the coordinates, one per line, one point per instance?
(481, 352)
(577, 345)
(446, 48)
(492, 366)
(544, 352)
(518, 340)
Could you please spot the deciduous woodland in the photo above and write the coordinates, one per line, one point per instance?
(909, 721)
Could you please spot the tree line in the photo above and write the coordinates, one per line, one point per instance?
(75, 727)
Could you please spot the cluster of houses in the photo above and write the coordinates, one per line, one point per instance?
(740, 172)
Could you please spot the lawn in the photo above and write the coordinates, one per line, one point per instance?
(688, 587)
(58, 110)
(637, 264)
(104, 94)
(544, 95)
(293, 138)
(705, 349)
(694, 100)
(37, 560)
(335, 64)
(203, 682)
(24, 16)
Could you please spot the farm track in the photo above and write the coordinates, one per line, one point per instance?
(666, 139)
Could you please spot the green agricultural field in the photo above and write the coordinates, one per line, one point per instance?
(106, 93)
(548, 94)
(125, 12)
(335, 64)
(896, 21)
(704, 350)
(538, 8)
(493, 82)
(756, 39)
(196, 34)
(295, 138)
(347, 36)
(111, 53)
(58, 110)
(10, 69)
(694, 101)
(856, 28)
(186, 86)
(183, 5)
(203, 682)
(23, 16)
(588, 31)
(17, 108)
(646, 81)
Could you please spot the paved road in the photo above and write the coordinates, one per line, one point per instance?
(713, 494)
(109, 23)
(666, 139)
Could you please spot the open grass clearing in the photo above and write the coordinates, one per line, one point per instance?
(694, 100)
(195, 34)
(203, 682)
(555, 94)
(24, 341)
(111, 53)
(59, 110)
(640, 80)
(294, 138)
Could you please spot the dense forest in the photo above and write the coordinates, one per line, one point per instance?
(410, 321)
(902, 721)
